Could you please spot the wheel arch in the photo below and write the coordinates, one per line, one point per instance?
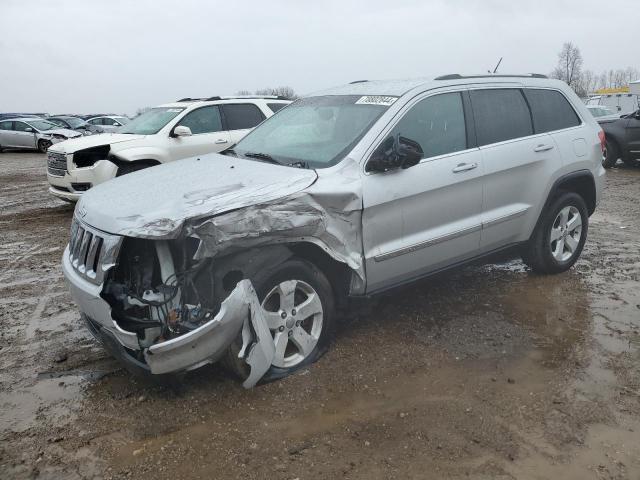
(232, 268)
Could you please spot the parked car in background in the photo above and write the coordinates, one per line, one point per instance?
(74, 123)
(601, 112)
(623, 139)
(621, 103)
(32, 133)
(169, 132)
(243, 256)
(108, 123)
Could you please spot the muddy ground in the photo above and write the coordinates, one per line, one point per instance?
(487, 372)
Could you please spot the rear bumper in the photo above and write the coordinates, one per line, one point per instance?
(203, 345)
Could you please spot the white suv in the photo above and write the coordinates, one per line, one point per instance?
(186, 128)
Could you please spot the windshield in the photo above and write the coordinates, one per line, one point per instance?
(314, 132)
(43, 125)
(150, 122)
(74, 122)
(601, 111)
(122, 120)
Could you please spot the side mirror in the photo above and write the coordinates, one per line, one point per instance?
(181, 131)
(395, 152)
(29, 130)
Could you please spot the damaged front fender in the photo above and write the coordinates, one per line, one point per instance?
(210, 341)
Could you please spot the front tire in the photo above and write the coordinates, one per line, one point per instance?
(299, 307)
(43, 146)
(560, 235)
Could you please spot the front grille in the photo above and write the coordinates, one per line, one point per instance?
(92, 252)
(56, 164)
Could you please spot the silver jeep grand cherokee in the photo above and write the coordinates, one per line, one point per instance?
(243, 256)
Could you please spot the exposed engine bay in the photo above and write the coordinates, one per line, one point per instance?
(182, 313)
(156, 298)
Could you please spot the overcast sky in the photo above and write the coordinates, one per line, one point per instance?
(119, 55)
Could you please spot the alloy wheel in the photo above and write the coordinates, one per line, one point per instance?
(294, 314)
(566, 232)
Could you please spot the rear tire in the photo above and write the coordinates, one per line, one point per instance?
(560, 235)
(310, 289)
(43, 146)
(611, 154)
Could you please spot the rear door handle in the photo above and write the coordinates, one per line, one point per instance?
(220, 141)
(463, 167)
(543, 148)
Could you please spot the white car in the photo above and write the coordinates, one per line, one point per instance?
(183, 129)
(32, 133)
(108, 123)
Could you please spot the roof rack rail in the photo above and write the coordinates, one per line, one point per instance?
(232, 97)
(358, 81)
(457, 76)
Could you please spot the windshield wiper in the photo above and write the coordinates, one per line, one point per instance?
(262, 156)
(229, 150)
(299, 164)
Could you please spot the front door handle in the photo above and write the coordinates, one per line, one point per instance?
(220, 141)
(463, 167)
(543, 148)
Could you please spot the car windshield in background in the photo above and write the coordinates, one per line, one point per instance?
(601, 111)
(315, 132)
(43, 125)
(74, 122)
(151, 121)
(123, 120)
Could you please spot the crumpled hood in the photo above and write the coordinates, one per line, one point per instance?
(154, 203)
(63, 131)
(82, 141)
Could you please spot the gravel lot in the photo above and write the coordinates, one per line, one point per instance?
(488, 372)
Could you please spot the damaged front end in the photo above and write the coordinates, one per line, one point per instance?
(160, 314)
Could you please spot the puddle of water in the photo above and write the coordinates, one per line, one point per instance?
(53, 397)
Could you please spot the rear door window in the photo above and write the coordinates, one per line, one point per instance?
(203, 120)
(550, 110)
(20, 126)
(5, 125)
(437, 124)
(500, 115)
(241, 116)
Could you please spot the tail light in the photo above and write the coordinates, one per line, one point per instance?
(603, 140)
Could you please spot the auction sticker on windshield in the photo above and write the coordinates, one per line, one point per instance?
(376, 100)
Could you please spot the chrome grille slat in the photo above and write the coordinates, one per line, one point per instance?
(92, 252)
(75, 253)
(56, 164)
(82, 253)
(94, 249)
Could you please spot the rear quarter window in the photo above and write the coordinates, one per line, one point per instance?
(500, 115)
(276, 106)
(550, 110)
(241, 116)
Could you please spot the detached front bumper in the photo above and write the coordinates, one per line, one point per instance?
(203, 345)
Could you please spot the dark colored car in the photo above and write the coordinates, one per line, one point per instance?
(74, 123)
(623, 140)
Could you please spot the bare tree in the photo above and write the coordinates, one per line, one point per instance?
(589, 82)
(243, 92)
(569, 68)
(284, 91)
